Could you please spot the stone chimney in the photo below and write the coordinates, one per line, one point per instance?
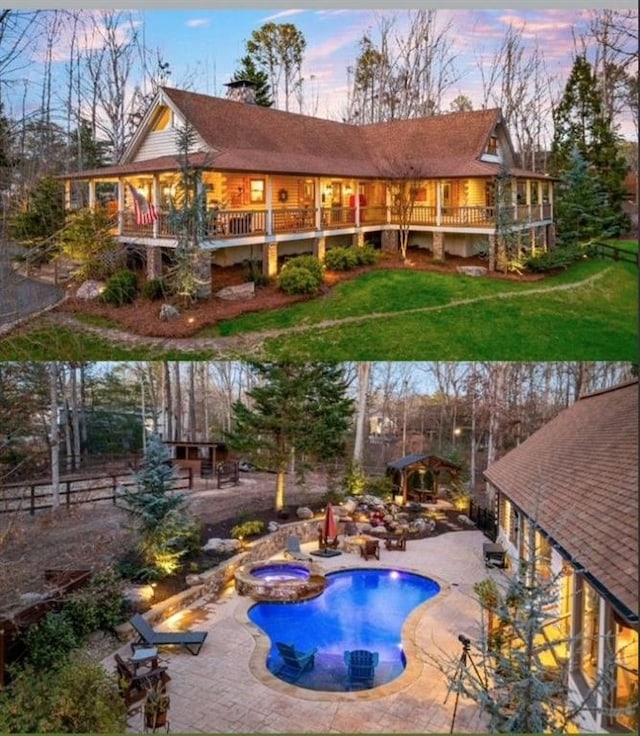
(241, 90)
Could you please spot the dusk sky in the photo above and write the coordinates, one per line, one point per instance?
(203, 44)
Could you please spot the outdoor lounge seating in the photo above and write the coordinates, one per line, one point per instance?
(133, 684)
(295, 663)
(293, 550)
(370, 548)
(192, 641)
(361, 665)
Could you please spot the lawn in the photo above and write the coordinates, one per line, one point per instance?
(588, 312)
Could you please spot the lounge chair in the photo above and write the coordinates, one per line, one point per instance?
(295, 663)
(398, 541)
(370, 548)
(361, 665)
(133, 684)
(293, 550)
(148, 637)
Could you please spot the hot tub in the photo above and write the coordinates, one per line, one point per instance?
(280, 580)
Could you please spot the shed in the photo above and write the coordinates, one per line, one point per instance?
(418, 477)
(200, 457)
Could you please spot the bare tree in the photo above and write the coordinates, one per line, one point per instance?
(364, 375)
(54, 434)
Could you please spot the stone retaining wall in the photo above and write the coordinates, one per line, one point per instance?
(211, 583)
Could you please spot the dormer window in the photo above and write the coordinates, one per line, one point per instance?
(162, 119)
(492, 145)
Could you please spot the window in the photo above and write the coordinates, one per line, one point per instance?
(162, 120)
(492, 145)
(625, 676)
(589, 633)
(256, 191)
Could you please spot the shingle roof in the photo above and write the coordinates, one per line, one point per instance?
(577, 477)
(244, 137)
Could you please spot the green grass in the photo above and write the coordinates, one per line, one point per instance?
(503, 320)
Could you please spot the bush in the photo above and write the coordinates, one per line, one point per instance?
(344, 259)
(121, 288)
(247, 529)
(51, 640)
(301, 275)
(550, 260)
(88, 241)
(155, 289)
(79, 697)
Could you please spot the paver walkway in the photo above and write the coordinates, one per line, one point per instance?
(227, 689)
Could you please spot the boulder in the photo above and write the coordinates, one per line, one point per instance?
(304, 513)
(237, 293)
(221, 546)
(168, 312)
(90, 289)
(472, 270)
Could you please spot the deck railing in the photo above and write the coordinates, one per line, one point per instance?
(226, 224)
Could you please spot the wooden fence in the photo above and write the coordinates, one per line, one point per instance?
(35, 496)
(484, 519)
(604, 250)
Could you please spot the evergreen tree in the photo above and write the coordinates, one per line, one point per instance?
(165, 526)
(299, 409)
(582, 210)
(580, 122)
(260, 79)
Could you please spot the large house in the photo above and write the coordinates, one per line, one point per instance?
(278, 183)
(570, 491)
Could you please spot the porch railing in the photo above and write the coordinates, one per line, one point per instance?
(226, 224)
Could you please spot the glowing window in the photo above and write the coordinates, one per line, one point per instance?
(256, 191)
(162, 119)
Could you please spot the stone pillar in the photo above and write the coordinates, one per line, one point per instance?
(154, 262)
(202, 270)
(550, 233)
(358, 240)
(270, 259)
(438, 246)
(320, 248)
(492, 252)
(389, 241)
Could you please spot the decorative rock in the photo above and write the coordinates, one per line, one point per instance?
(349, 506)
(138, 597)
(304, 513)
(90, 290)
(168, 312)
(472, 270)
(273, 526)
(192, 580)
(465, 520)
(238, 293)
(221, 546)
(32, 597)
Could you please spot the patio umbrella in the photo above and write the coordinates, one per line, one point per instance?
(330, 526)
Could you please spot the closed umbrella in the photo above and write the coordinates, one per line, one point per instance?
(330, 526)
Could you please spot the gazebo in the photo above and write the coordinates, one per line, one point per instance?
(418, 476)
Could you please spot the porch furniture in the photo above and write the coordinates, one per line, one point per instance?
(494, 555)
(192, 641)
(293, 550)
(144, 657)
(295, 663)
(370, 548)
(361, 665)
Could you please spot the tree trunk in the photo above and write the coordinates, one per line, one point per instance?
(54, 435)
(364, 372)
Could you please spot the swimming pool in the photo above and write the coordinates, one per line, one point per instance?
(359, 609)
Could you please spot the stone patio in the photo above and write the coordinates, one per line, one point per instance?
(227, 688)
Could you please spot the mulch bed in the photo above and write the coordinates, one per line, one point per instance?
(142, 316)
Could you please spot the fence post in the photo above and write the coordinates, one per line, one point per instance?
(68, 484)
(114, 490)
(32, 510)
(190, 478)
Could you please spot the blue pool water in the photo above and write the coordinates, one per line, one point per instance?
(359, 609)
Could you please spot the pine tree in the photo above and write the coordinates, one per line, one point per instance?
(580, 122)
(165, 526)
(260, 79)
(294, 408)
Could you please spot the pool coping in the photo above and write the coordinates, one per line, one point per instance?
(415, 661)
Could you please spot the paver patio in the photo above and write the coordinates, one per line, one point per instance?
(227, 688)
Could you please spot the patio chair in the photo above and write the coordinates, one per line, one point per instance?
(293, 550)
(361, 665)
(192, 641)
(133, 684)
(295, 663)
(398, 541)
(370, 548)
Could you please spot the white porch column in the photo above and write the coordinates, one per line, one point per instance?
(155, 198)
(120, 206)
(317, 203)
(268, 195)
(438, 202)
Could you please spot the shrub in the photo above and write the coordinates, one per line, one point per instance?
(301, 275)
(551, 259)
(155, 289)
(88, 241)
(121, 288)
(79, 697)
(50, 641)
(247, 529)
(341, 259)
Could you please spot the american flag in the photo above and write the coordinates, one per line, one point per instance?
(144, 211)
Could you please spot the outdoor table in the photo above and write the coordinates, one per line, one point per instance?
(144, 657)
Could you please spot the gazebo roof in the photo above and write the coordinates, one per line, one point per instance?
(429, 461)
